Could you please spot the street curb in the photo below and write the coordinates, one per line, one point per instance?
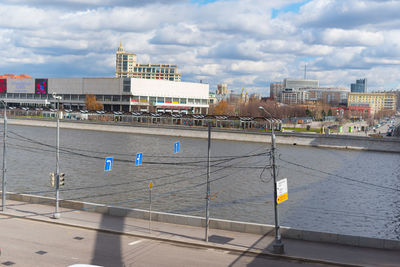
(251, 251)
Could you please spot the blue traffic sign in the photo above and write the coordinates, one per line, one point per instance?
(139, 158)
(176, 147)
(108, 164)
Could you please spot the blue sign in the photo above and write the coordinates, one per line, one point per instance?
(176, 147)
(139, 158)
(108, 164)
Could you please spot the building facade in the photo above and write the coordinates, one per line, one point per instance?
(116, 94)
(359, 87)
(275, 90)
(222, 89)
(127, 67)
(327, 95)
(296, 84)
(377, 101)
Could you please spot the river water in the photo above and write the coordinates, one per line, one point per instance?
(338, 191)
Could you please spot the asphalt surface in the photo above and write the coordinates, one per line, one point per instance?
(30, 237)
(33, 243)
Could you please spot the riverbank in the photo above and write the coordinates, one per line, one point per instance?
(315, 140)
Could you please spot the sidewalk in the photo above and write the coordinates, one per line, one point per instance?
(194, 236)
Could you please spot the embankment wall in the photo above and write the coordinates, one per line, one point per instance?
(391, 144)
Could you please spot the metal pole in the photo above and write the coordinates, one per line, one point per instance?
(278, 246)
(57, 215)
(3, 183)
(208, 182)
(150, 213)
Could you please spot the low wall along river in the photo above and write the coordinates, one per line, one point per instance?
(315, 140)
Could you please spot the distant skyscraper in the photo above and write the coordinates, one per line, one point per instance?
(274, 90)
(360, 86)
(126, 66)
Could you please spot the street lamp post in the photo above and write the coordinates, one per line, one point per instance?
(57, 214)
(3, 183)
(278, 246)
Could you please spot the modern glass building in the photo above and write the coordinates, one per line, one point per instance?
(359, 87)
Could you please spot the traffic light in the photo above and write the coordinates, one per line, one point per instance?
(52, 179)
(62, 179)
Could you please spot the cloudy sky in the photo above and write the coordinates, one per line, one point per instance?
(243, 43)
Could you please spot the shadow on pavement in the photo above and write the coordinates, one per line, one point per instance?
(242, 255)
(108, 250)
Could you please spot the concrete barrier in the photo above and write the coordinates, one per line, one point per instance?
(391, 144)
(244, 227)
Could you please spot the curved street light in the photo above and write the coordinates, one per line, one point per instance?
(278, 246)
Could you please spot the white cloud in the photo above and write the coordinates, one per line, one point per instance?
(232, 41)
(340, 37)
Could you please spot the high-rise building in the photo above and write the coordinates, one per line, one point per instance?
(360, 86)
(275, 90)
(127, 66)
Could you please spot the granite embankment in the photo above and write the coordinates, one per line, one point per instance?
(383, 144)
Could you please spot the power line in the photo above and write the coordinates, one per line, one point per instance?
(340, 176)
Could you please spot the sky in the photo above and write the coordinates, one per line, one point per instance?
(243, 43)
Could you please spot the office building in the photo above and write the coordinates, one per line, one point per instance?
(275, 90)
(127, 67)
(359, 87)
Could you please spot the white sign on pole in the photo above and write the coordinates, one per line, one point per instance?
(282, 190)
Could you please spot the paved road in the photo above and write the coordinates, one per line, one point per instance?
(31, 243)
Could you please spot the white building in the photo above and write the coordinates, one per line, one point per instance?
(116, 94)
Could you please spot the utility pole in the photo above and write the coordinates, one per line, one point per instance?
(208, 182)
(278, 246)
(3, 183)
(57, 214)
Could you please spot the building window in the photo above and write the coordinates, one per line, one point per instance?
(126, 85)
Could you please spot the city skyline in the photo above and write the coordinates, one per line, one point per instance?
(244, 44)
